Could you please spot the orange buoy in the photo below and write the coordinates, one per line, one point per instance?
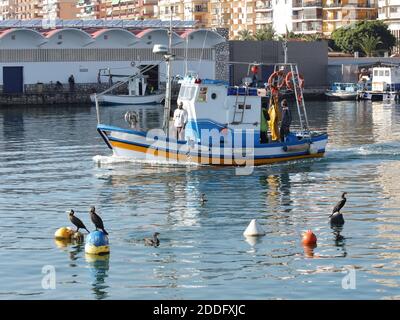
(309, 238)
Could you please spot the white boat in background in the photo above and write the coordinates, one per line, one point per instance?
(138, 92)
(343, 91)
(385, 85)
(110, 99)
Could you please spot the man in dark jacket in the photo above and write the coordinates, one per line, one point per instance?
(286, 120)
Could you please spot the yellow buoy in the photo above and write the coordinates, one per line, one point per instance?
(64, 233)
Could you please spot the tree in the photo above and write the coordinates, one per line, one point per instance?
(265, 33)
(245, 35)
(369, 44)
(349, 38)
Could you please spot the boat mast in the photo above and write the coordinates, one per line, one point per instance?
(168, 58)
(284, 44)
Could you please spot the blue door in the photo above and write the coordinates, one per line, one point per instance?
(13, 80)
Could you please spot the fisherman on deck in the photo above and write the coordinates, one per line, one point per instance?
(180, 120)
(264, 124)
(286, 120)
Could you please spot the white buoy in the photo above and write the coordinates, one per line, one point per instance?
(254, 229)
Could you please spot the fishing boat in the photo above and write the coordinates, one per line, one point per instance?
(139, 92)
(343, 91)
(385, 85)
(223, 123)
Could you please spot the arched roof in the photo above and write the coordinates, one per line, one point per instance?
(150, 37)
(21, 38)
(67, 37)
(110, 38)
(201, 37)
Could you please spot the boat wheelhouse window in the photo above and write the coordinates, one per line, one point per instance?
(375, 73)
(387, 73)
(381, 73)
(187, 92)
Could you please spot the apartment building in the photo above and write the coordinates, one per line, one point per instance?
(61, 9)
(236, 15)
(389, 12)
(6, 9)
(91, 9)
(312, 16)
(26, 9)
(338, 13)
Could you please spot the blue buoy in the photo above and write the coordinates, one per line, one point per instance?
(97, 243)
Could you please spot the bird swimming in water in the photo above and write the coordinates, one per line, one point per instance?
(336, 217)
(76, 221)
(203, 199)
(152, 241)
(97, 220)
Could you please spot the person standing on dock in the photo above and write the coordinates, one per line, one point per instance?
(286, 120)
(71, 81)
(180, 120)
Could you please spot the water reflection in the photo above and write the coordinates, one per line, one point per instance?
(13, 129)
(98, 268)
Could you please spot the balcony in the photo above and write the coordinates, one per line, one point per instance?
(263, 20)
(305, 3)
(312, 4)
(263, 6)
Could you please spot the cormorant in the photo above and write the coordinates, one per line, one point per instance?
(336, 217)
(76, 221)
(97, 220)
(152, 241)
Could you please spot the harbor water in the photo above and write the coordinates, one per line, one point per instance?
(53, 160)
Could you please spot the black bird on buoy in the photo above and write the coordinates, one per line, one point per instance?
(97, 220)
(76, 221)
(152, 241)
(336, 217)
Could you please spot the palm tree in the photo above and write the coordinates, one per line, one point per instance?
(245, 35)
(369, 44)
(265, 33)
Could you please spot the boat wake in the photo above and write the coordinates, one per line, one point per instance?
(387, 150)
(110, 160)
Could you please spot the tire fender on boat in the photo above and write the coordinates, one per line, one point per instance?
(297, 147)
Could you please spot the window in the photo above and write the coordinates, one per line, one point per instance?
(386, 73)
(213, 96)
(381, 73)
(375, 73)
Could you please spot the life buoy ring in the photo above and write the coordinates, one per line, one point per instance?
(289, 82)
(276, 80)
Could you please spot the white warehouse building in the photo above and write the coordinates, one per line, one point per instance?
(31, 53)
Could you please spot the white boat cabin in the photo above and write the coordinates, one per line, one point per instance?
(214, 105)
(385, 79)
(137, 86)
